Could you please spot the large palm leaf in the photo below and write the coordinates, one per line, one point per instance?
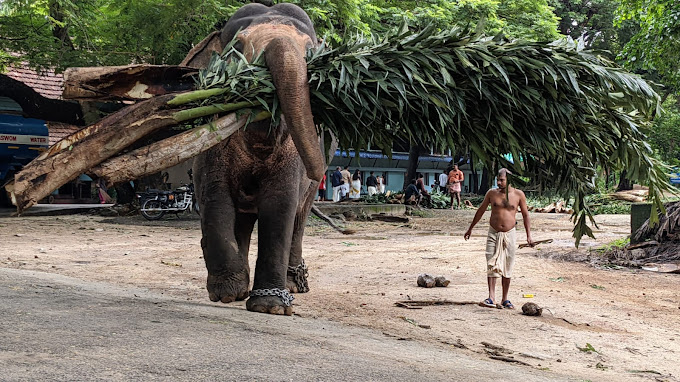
(561, 109)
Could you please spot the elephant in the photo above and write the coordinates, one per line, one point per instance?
(261, 174)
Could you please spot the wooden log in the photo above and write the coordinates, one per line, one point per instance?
(114, 133)
(170, 151)
(131, 82)
(627, 197)
(390, 218)
(316, 211)
(199, 56)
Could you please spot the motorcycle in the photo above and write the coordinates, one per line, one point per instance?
(156, 203)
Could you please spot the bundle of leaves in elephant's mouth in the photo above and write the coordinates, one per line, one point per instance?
(561, 110)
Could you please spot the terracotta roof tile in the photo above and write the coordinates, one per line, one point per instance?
(59, 131)
(48, 84)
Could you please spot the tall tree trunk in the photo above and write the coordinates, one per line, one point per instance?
(474, 180)
(624, 182)
(413, 155)
(486, 181)
(60, 32)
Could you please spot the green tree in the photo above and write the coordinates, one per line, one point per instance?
(63, 33)
(656, 46)
(525, 19)
(665, 134)
(593, 21)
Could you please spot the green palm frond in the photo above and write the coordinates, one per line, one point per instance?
(562, 110)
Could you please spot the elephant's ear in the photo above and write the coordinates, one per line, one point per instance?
(200, 55)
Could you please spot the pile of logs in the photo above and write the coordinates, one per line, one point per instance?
(109, 149)
(633, 196)
(556, 207)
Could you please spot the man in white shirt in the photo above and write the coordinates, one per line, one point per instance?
(443, 179)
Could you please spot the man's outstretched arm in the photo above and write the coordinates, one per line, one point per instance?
(478, 215)
(525, 217)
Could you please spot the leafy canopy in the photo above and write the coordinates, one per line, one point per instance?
(64, 33)
(526, 19)
(656, 47)
(665, 135)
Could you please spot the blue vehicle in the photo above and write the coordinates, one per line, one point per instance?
(21, 140)
(675, 176)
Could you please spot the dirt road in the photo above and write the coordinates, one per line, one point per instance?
(630, 318)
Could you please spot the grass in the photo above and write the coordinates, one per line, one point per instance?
(587, 349)
(618, 244)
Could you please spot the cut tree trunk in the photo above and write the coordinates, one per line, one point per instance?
(131, 82)
(171, 151)
(115, 133)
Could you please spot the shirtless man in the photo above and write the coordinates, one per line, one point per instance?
(500, 242)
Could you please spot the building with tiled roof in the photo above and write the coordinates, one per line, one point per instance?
(31, 94)
(48, 84)
(34, 116)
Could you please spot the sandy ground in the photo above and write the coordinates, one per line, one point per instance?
(631, 318)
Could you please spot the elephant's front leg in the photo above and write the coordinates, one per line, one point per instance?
(297, 269)
(226, 235)
(276, 216)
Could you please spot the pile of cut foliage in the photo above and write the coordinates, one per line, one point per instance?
(659, 243)
(563, 110)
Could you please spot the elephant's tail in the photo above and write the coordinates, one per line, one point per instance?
(330, 222)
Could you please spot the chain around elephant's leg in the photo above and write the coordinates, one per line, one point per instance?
(297, 269)
(297, 278)
(276, 217)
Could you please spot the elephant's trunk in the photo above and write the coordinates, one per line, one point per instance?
(285, 57)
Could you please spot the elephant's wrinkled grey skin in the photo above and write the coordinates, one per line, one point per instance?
(260, 175)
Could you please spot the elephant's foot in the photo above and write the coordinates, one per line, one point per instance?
(296, 280)
(272, 301)
(228, 287)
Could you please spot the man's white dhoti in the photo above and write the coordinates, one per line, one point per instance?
(337, 193)
(500, 253)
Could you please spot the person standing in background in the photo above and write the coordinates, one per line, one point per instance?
(456, 178)
(381, 183)
(347, 181)
(372, 184)
(443, 181)
(336, 182)
(355, 191)
(322, 189)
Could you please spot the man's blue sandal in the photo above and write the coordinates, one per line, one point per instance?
(508, 305)
(488, 303)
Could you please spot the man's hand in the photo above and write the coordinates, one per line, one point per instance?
(467, 234)
(530, 242)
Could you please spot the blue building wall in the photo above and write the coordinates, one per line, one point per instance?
(393, 169)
